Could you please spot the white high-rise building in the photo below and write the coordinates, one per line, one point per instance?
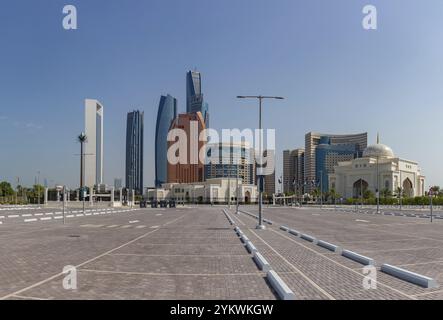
(94, 143)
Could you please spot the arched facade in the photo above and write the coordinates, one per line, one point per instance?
(381, 170)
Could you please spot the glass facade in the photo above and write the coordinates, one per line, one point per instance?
(194, 96)
(134, 151)
(328, 155)
(224, 160)
(167, 112)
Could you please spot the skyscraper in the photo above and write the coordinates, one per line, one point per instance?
(227, 159)
(339, 148)
(167, 112)
(293, 170)
(192, 168)
(134, 151)
(194, 96)
(94, 144)
(269, 178)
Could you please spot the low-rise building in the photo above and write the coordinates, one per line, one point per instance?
(378, 170)
(209, 191)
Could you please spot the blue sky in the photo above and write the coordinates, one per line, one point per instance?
(336, 76)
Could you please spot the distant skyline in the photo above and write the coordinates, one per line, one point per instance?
(335, 76)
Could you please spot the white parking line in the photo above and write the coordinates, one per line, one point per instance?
(46, 218)
(58, 217)
(80, 215)
(126, 226)
(30, 220)
(13, 216)
(113, 226)
(27, 215)
(140, 227)
(38, 214)
(134, 221)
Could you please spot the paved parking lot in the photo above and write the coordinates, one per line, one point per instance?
(180, 253)
(412, 243)
(194, 253)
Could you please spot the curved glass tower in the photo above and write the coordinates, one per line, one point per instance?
(167, 112)
(194, 96)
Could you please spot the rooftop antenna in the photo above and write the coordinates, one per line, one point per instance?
(378, 138)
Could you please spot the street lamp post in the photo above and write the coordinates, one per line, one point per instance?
(361, 193)
(430, 203)
(260, 175)
(236, 191)
(64, 196)
(321, 189)
(377, 190)
(38, 187)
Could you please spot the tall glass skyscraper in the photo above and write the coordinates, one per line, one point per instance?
(194, 96)
(328, 155)
(134, 151)
(167, 112)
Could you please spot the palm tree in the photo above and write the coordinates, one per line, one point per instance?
(435, 190)
(386, 193)
(82, 139)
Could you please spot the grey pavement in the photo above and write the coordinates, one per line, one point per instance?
(194, 253)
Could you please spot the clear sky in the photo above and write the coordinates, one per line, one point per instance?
(336, 76)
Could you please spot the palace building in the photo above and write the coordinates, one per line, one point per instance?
(378, 169)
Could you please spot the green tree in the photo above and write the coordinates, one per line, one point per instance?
(6, 189)
(386, 193)
(82, 139)
(368, 194)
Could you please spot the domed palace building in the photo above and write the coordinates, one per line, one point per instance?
(360, 174)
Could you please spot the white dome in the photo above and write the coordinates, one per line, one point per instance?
(378, 150)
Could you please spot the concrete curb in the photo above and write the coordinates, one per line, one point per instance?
(244, 238)
(284, 228)
(251, 248)
(280, 286)
(329, 246)
(358, 258)
(261, 262)
(308, 238)
(294, 232)
(409, 276)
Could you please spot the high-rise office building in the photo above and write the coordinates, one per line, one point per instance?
(191, 169)
(167, 112)
(269, 178)
(194, 96)
(293, 170)
(328, 155)
(335, 148)
(227, 160)
(94, 144)
(134, 151)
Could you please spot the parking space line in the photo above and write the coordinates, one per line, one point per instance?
(86, 262)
